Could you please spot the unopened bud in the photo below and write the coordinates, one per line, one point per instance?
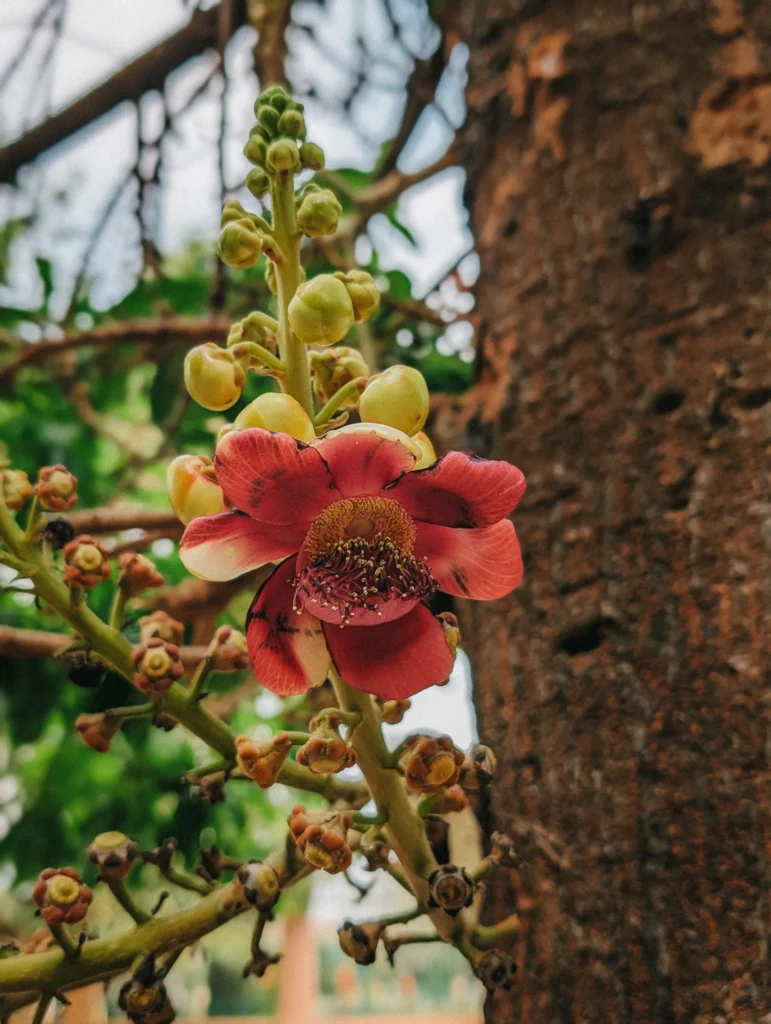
(397, 397)
(213, 376)
(432, 763)
(359, 941)
(428, 456)
(283, 157)
(56, 488)
(261, 762)
(137, 573)
(158, 666)
(392, 711)
(97, 730)
(231, 211)
(16, 488)
(292, 123)
(326, 752)
(364, 293)
(256, 150)
(312, 156)
(267, 118)
(334, 368)
(450, 888)
(192, 488)
(160, 623)
(257, 182)
(321, 312)
(322, 838)
(114, 854)
(231, 648)
(260, 884)
(240, 244)
(279, 413)
(271, 280)
(478, 768)
(319, 213)
(61, 896)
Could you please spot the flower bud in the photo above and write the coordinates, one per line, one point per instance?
(322, 838)
(432, 763)
(282, 157)
(257, 182)
(240, 244)
(428, 456)
(261, 884)
(137, 573)
(160, 624)
(15, 487)
(312, 156)
(363, 291)
(143, 998)
(255, 151)
(392, 711)
(61, 896)
(321, 312)
(268, 95)
(292, 123)
(450, 888)
(85, 562)
(56, 488)
(158, 666)
(359, 941)
(397, 397)
(319, 213)
(231, 649)
(326, 752)
(114, 854)
(192, 488)
(496, 969)
(478, 768)
(449, 801)
(86, 669)
(277, 412)
(213, 376)
(333, 368)
(267, 118)
(231, 211)
(261, 762)
(97, 730)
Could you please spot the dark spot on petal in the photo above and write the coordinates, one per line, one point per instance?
(460, 578)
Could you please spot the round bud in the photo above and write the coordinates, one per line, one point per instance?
(428, 456)
(312, 156)
(363, 291)
(319, 213)
(397, 397)
(283, 157)
(256, 149)
(257, 182)
(193, 491)
(213, 377)
(295, 105)
(232, 211)
(292, 123)
(240, 245)
(267, 116)
(334, 368)
(390, 433)
(277, 412)
(321, 312)
(266, 96)
(278, 99)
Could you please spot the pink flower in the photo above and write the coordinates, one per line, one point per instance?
(362, 541)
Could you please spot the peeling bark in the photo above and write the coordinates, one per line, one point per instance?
(618, 182)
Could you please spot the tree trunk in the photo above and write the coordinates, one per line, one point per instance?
(618, 183)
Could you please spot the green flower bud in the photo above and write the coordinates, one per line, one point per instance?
(213, 377)
(270, 277)
(335, 367)
(282, 156)
(363, 291)
(257, 182)
(255, 150)
(295, 105)
(319, 213)
(232, 211)
(312, 156)
(321, 312)
(267, 95)
(398, 397)
(278, 99)
(240, 245)
(268, 119)
(292, 123)
(279, 413)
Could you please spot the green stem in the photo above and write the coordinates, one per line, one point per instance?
(256, 351)
(42, 1007)
(298, 738)
(185, 881)
(30, 532)
(353, 387)
(288, 275)
(405, 918)
(118, 889)
(202, 672)
(118, 608)
(132, 711)
(69, 948)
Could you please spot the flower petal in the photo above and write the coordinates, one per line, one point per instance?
(393, 660)
(229, 544)
(484, 564)
(461, 490)
(363, 462)
(274, 478)
(287, 650)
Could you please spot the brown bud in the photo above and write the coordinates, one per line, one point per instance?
(496, 969)
(114, 854)
(158, 666)
(503, 851)
(97, 730)
(322, 838)
(450, 888)
(261, 884)
(137, 573)
(231, 649)
(392, 711)
(86, 562)
(326, 752)
(478, 768)
(56, 488)
(451, 631)
(61, 896)
(450, 801)
(359, 941)
(15, 488)
(433, 763)
(261, 762)
(161, 625)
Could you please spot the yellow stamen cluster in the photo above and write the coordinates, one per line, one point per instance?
(361, 519)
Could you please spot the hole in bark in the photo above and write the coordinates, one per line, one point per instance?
(668, 400)
(585, 637)
(679, 494)
(755, 399)
(638, 256)
(510, 228)
(668, 340)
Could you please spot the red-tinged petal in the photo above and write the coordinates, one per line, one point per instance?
(229, 544)
(461, 490)
(484, 564)
(287, 650)
(363, 462)
(274, 478)
(393, 660)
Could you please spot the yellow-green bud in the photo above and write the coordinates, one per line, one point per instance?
(398, 397)
(232, 211)
(257, 182)
(213, 376)
(319, 213)
(335, 367)
(428, 458)
(312, 156)
(292, 123)
(252, 328)
(256, 149)
(321, 312)
(270, 277)
(363, 291)
(240, 244)
(193, 489)
(283, 156)
(279, 413)
(267, 117)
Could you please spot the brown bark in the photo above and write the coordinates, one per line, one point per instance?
(619, 191)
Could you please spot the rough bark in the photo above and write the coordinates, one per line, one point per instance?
(618, 162)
